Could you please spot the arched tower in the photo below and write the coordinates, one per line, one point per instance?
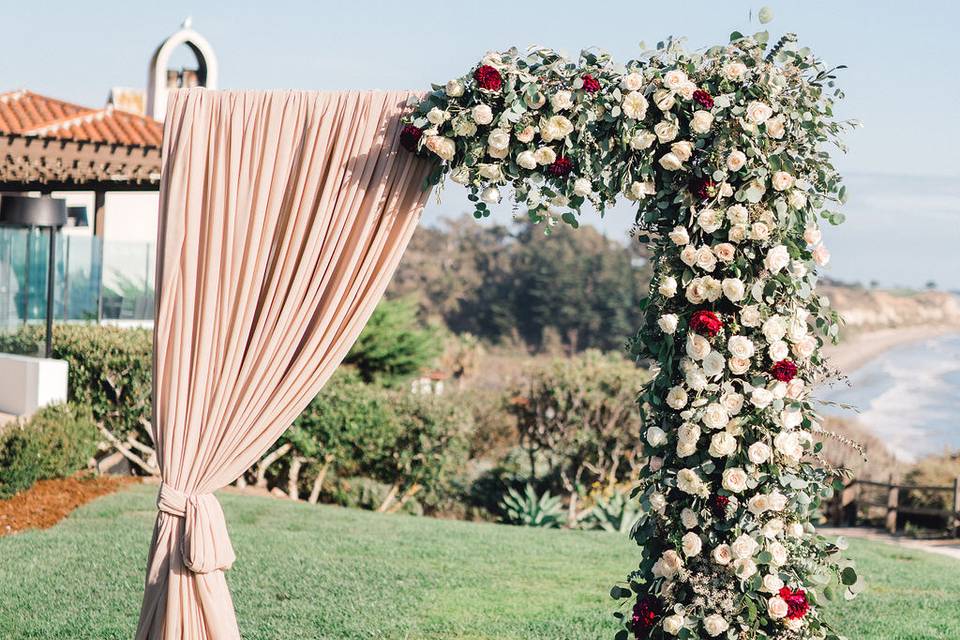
(161, 78)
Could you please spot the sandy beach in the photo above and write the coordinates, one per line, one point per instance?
(859, 349)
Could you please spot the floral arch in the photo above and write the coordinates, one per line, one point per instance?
(724, 153)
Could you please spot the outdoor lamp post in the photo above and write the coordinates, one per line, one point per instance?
(44, 212)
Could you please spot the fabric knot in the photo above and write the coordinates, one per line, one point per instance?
(205, 545)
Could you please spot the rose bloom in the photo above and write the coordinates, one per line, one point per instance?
(722, 444)
(706, 260)
(701, 122)
(774, 328)
(555, 128)
(545, 156)
(781, 180)
(715, 624)
(674, 79)
(778, 351)
(795, 530)
(773, 527)
(733, 289)
(732, 402)
(744, 547)
(679, 236)
(758, 112)
(437, 116)
(796, 387)
(758, 504)
(454, 88)
(695, 291)
(712, 290)
(811, 235)
(498, 139)
(498, 153)
(668, 323)
(804, 347)
(725, 252)
(744, 568)
(526, 134)
(715, 416)
(688, 433)
(683, 150)
(740, 347)
(461, 175)
(787, 443)
(655, 463)
(677, 398)
(778, 501)
(674, 623)
(689, 518)
(797, 199)
(444, 147)
(820, 255)
(666, 131)
(642, 140)
(561, 100)
(687, 89)
(791, 417)
(488, 78)
(738, 366)
(527, 160)
(736, 160)
(640, 190)
(658, 502)
(668, 287)
(775, 128)
(634, 105)
(664, 99)
(482, 114)
(777, 608)
(709, 220)
(689, 255)
(758, 453)
(772, 583)
(582, 187)
(750, 316)
(761, 398)
(697, 346)
(777, 258)
(738, 214)
(656, 436)
(735, 480)
(671, 162)
(759, 231)
(689, 481)
(632, 81)
(734, 70)
(714, 364)
(737, 233)
(668, 565)
(722, 554)
(691, 544)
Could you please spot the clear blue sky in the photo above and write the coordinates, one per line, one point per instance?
(902, 82)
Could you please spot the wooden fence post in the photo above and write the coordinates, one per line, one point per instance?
(893, 499)
(955, 516)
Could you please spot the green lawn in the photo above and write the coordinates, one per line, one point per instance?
(325, 572)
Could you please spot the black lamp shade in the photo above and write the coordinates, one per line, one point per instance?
(24, 211)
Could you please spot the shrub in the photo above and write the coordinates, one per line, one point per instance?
(933, 471)
(55, 443)
(531, 510)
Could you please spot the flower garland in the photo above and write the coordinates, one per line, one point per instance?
(724, 154)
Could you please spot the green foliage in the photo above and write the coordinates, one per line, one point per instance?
(616, 513)
(933, 471)
(110, 369)
(531, 510)
(54, 443)
(393, 346)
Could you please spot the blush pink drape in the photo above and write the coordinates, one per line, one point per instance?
(283, 216)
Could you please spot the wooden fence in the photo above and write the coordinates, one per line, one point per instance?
(887, 497)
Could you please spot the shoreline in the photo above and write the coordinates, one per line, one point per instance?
(859, 349)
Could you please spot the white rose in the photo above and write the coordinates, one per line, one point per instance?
(750, 316)
(454, 88)
(437, 116)
(777, 608)
(795, 530)
(687, 89)
(797, 199)
(778, 502)
(722, 554)
(482, 114)
(545, 156)
(582, 187)
(811, 235)
(714, 364)
(722, 444)
(555, 128)
(674, 79)
(670, 162)
(761, 398)
(701, 121)
(696, 379)
(632, 81)
(778, 351)
(634, 105)
(758, 504)
(658, 502)
(758, 453)
(777, 258)
(679, 236)
(674, 624)
(709, 220)
(738, 366)
(735, 480)
(668, 287)
(740, 347)
(715, 416)
(656, 436)
(820, 255)
(677, 398)
(772, 583)
(758, 112)
(736, 160)
(464, 128)
(775, 128)
(725, 252)
(683, 150)
(527, 160)
(666, 131)
(744, 568)
(668, 323)
(781, 180)
(787, 443)
(779, 553)
(688, 518)
(691, 544)
(642, 140)
(737, 233)
(689, 256)
(775, 328)
(734, 70)
(744, 547)
(461, 175)
(664, 99)
(640, 190)
(697, 346)
(498, 139)
(526, 135)
(734, 289)
(491, 172)
(690, 482)
(796, 387)
(561, 100)
(695, 290)
(759, 231)
(444, 147)
(715, 624)
(804, 348)
(732, 402)
(498, 153)
(705, 259)
(688, 433)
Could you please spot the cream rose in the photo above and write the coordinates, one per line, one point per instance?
(778, 351)
(740, 347)
(443, 146)
(561, 100)
(758, 112)
(656, 436)
(527, 160)
(668, 287)
(709, 220)
(715, 624)
(759, 231)
(804, 348)
(714, 364)
(737, 233)
(777, 608)
(734, 480)
(715, 416)
(722, 444)
(668, 565)
(691, 544)
(555, 128)
(725, 252)
(437, 116)
(758, 453)
(582, 187)
(820, 255)
(781, 180)
(734, 289)
(736, 160)
(632, 81)
(734, 70)
(668, 323)
(697, 346)
(671, 162)
(706, 260)
(666, 131)
(482, 114)
(772, 583)
(634, 105)
(690, 482)
(689, 518)
(738, 366)
(673, 624)
(453, 88)
(744, 547)
(683, 150)
(777, 258)
(732, 402)
(498, 139)
(750, 316)
(674, 79)
(775, 128)
(545, 155)
(744, 568)
(464, 128)
(722, 554)
(677, 398)
(664, 99)
(811, 235)
(658, 502)
(526, 134)
(642, 140)
(758, 504)
(761, 398)
(701, 121)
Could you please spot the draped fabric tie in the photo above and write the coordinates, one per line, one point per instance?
(205, 546)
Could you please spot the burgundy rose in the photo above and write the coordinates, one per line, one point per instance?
(488, 78)
(703, 98)
(590, 84)
(706, 323)
(704, 188)
(561, 166)
(718, 505)
(645, 614)
(410, 136)
(796, 599)
(784, 371)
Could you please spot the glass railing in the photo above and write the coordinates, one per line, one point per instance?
(94, 280)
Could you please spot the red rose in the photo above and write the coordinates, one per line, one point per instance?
(703, 189)
(718, 505)
(784, 371)
(706, 323)
(410, 136)
(645, 614)
(796, 599)
(561, 166)
(590, 84)
(488, 78)
(703, 98)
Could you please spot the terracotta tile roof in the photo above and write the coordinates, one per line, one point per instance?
(31, 114)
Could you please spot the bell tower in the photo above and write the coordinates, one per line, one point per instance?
(161, 78)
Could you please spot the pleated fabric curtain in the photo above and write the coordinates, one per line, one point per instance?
(283, 216)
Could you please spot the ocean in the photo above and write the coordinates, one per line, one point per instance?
(908, 396)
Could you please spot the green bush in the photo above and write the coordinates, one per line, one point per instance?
(55, 443)
(110, 370)
(531, 510)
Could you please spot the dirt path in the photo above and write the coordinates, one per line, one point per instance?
(947, 547)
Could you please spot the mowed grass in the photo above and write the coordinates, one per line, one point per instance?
(326, 572)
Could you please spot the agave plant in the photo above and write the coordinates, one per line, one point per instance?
(530, 510)
(616, 513)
